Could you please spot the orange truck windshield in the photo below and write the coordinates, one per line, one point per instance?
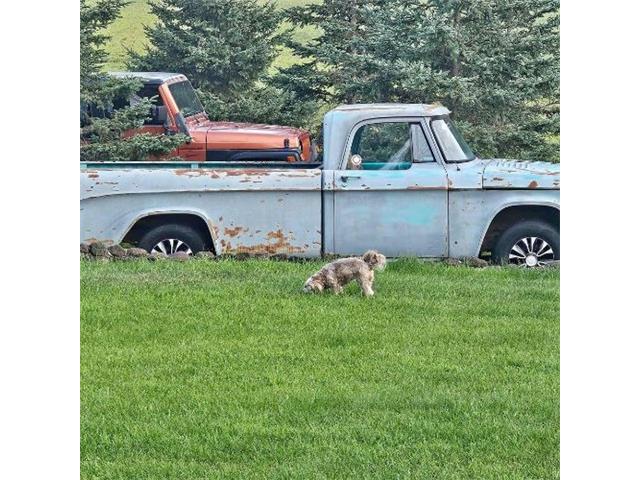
(186, 98)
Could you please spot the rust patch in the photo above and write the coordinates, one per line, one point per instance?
(533, 184)
(278, 243)
(196, 172)
(235, 231)
(247, 171)
(93, 175)
(213, 228)
(276, 234)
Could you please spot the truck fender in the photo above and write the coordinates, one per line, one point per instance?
(503, 207)
(211, 227)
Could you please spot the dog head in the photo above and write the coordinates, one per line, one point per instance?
(313, 284)
(375, 260)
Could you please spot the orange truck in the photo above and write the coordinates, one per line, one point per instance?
(178, 109)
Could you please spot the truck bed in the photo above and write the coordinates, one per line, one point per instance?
(256, 208)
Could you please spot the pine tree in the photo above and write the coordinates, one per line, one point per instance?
(101, 136)
(495, 63)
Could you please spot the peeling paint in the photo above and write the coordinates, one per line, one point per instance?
(235, 231)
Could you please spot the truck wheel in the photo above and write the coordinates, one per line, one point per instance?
(530, 243)
(171, 239)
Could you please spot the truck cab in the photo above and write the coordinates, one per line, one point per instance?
(178, 109)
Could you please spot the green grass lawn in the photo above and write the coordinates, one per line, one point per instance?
(226, 370)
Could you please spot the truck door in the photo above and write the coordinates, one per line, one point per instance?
(392, 196)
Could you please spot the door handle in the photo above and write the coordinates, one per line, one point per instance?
(345, 178)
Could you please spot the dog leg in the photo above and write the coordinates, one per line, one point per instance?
(332, 282)
(366, 285)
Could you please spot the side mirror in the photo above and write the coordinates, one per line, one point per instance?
(355, 162)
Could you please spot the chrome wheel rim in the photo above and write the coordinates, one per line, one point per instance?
(169, 246)
(531, 252)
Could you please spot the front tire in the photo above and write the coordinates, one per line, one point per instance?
(530, 243)
(172, 238)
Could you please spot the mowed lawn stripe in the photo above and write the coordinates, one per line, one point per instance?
(227, 370)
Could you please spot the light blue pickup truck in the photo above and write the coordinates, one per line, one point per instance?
(396, 178)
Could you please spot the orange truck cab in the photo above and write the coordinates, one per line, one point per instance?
(178, 109)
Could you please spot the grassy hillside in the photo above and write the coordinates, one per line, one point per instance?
(227, 370)
(128, 32)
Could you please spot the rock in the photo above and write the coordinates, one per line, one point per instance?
(205, 254)
(99, 250)
(136, 252)
(155, 256)
(468, 261)
(475, 262)
(454, 262)
(117, 251)
(84, 248)
(180, 256)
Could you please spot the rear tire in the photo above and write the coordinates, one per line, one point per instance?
(529, 243)
(172, 238)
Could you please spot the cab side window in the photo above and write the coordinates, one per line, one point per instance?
(390, 146)
(149, 91)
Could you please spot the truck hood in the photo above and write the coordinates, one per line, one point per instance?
(247, 136)
(510, 174)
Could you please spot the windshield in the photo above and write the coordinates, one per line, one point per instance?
(186, 98)
(453, 146)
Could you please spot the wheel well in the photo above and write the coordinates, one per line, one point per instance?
(512, 215)
(149, 222)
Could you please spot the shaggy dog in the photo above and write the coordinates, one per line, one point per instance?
(336, 275)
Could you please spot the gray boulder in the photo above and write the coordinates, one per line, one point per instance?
(136, 252)
(99, 250)
(117, 251)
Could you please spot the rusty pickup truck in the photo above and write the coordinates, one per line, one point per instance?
(396, 178)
